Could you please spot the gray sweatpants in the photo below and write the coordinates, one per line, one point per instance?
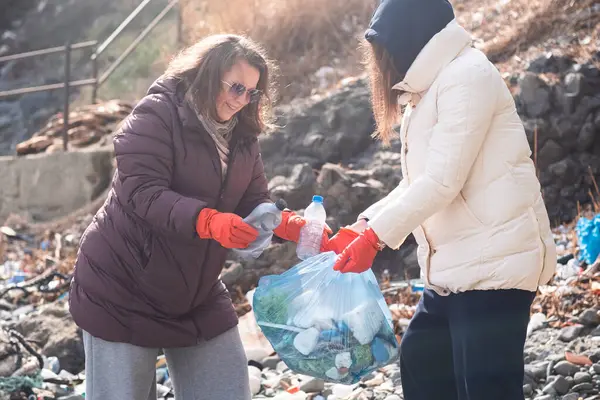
(212, 370)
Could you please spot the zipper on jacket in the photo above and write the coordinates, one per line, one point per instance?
(221, 193)
(431, 250)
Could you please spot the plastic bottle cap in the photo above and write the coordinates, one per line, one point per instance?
(317, 199)
(281, 204)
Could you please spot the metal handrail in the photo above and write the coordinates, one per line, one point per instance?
(121, 27)
(45, 88)
(136, 42)
(95, 82)
(50, 50)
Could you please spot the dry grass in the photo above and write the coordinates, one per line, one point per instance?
(301, 35)
(306, 35)
(510, 32)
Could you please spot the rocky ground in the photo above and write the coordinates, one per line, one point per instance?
(562, 351)
(323, 146)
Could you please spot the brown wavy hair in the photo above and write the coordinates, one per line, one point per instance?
(382, 76)
(202, 65)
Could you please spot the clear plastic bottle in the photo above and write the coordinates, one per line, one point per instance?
(264, 218)
(311, 234)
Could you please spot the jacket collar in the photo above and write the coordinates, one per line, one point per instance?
(440, 51)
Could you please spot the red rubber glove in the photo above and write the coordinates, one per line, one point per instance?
(290, 226)
(340, 240)
(359, 255)
(226, 228)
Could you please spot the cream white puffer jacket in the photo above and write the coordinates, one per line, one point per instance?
(469, 192)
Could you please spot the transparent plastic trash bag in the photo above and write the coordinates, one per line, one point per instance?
(326, 324)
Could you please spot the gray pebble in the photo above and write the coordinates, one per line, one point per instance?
(570, 333)
(559, 386)
(594, 355)
(590, 317)
(556, 357)
(537, 370)
(583, 387)
(312, 385)
(566, 368)
(527, 390)
(271, 362)
(571, 396)
(393, 397)
(545, 397)
(596, 368)
(582, 377)
(396, 378)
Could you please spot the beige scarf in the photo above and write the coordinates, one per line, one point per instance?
(221, 133)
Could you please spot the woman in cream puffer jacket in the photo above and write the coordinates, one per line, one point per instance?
(469, 195)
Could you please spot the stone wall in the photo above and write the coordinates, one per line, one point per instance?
(43, 187)
(566, 115)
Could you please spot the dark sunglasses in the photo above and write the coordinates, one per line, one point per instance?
(237, 89)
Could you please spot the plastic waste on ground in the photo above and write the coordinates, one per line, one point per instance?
(568, 270)
(325, 324)
(311, 234)
(264, 218)
(291, 396)
(588, 237)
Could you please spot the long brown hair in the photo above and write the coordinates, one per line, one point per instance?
(201, 67)
(382, 76)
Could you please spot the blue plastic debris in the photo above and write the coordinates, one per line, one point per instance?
(588, 237)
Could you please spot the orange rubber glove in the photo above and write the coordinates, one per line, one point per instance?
(340, 240)
(226, 228)
(290, 226)
(359, 255)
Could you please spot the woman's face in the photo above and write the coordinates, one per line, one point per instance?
(238, 87)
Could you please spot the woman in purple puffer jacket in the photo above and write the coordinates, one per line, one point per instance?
(147, 275)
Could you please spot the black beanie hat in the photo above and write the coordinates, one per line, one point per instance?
(404, 27)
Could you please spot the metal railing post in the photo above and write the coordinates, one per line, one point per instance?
(179, 24)
(66, 105)
(95, 76)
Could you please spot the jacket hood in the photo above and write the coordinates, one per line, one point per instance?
(440, 51)
(165, 85)
(174, 90)
(404, 27)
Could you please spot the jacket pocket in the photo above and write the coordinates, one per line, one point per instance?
(147, 249)
(468, 210)
(538, 233)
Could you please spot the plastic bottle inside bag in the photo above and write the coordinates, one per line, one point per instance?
(311, 234)
(264, 218)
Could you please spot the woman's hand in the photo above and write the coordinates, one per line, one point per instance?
(359, 255)
(290, 227)
(341, 240)
(228, 229)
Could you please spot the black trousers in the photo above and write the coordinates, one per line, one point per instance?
(466, 346)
